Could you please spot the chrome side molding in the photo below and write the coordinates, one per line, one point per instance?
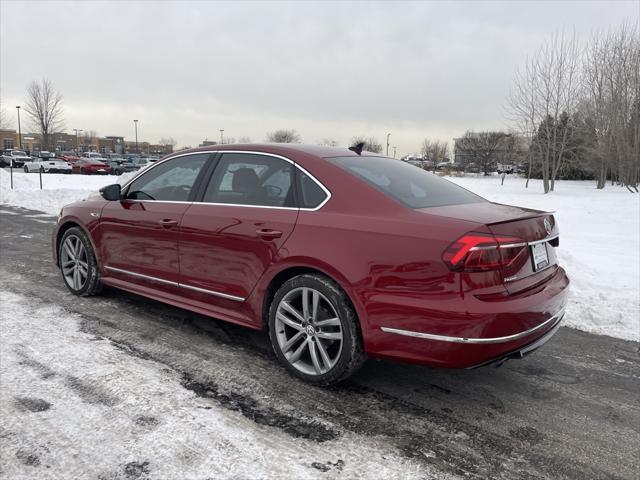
(175, 284)
(555, 319)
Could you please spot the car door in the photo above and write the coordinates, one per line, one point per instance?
(138, 236)
(228, 239)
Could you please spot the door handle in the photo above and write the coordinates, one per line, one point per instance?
(168, 222)
(268, 234)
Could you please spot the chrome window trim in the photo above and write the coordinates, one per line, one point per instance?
(175, 284)
(251, 152)
(444, 338)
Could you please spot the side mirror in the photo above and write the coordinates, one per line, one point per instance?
(111, 192)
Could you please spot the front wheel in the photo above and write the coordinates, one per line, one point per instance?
(314, 330)
(26, 169)
(78, 263)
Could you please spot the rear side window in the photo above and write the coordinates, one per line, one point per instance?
(251, 179)
(411, 186)
(311, 194)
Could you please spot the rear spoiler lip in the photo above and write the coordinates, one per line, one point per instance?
(534, 214)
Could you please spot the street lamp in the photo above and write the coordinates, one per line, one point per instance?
(19, 130)
(388, 135)
(135, 122)
(221, 139)
(77, 130)
(394, 151)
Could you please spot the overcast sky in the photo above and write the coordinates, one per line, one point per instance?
(331, 69)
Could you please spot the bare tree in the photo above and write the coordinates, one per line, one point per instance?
(481, 148)
(435, 151)
(612, 90)
(328, 142)
(371, 144)
(4, 120)
(167, 141)
(545, 90)
(283, 136)
(244, 140)
(44, 107)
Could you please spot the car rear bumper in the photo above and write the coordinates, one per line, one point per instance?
(467, 332)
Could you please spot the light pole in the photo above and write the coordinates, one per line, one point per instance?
(394, 151)
(77, 130)
(388, 135)
(135, 123)
(221, 139)
(19, 130)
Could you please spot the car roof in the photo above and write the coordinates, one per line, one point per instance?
(283, 149)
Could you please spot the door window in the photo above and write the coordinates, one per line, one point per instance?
(172, 180)
(251, 179)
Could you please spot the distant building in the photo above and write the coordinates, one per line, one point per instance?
(208, 143)
(9, 139)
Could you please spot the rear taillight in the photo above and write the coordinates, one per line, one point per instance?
(481, 252)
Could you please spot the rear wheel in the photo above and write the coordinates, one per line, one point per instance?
(26, 169)
(314, 330)
(78, 263)
(41, 169)
(82, 172)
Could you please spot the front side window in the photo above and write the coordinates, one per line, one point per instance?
(411, 186)
(170, 181)
(251, 179)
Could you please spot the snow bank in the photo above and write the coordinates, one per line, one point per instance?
(599, 247)
(599, 240)
(58, 189)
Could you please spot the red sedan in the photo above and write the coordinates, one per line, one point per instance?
(339, 254)
(88, 166)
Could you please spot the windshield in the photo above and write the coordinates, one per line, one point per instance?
(411, 186)
(18, 153)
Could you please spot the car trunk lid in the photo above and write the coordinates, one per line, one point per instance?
(527, 236)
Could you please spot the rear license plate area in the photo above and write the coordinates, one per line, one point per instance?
(539, 256)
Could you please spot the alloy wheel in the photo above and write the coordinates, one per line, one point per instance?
(309, 331)
(74, 262)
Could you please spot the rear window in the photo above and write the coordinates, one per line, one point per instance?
(411, 186)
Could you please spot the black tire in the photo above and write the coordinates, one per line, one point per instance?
(26, 169)
(92, 285)
(41, 169)
(81, 171)
(351, 356)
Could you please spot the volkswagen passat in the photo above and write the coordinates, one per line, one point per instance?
(339, 254)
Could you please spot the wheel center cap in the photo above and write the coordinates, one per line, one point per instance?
(310, 330)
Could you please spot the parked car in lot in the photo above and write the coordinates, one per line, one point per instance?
(91, 166)
(69, 157)
(338, 256)
(47, 165)
(14, 158)
(118, 167)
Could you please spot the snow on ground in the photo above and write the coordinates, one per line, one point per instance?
(57, 191)
(599, 240)
(133, 419)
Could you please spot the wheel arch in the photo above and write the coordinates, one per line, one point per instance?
(290, 271)
(66, 225)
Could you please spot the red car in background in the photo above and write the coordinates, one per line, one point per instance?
(339, 254)
(69, 157)
(88, 166)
